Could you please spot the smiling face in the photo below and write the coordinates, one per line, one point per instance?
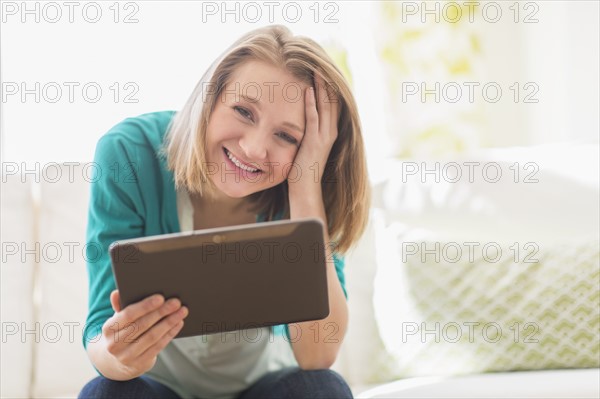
(255, 129)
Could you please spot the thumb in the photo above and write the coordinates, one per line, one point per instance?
(115, 300)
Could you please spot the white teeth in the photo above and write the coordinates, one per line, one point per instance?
(239, 164)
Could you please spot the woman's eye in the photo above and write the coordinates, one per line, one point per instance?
(248, 115)
(288, 138)
(243, 111)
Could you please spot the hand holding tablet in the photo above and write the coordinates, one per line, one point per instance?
(136, 334)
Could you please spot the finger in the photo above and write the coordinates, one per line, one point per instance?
(331, 99)
(323, 106)
(335, 109)
(128, 315)
(155, 334)
(146, 322)
(115, 301)
(312, 116)
(155, 349)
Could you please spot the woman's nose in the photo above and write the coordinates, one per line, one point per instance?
(254, 146)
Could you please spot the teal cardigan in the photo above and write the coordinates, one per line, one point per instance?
(133, 195)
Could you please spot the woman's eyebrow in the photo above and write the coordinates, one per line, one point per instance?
(258, 104)
(251, 100)
(295, 127)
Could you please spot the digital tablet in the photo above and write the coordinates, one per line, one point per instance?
(230, 278)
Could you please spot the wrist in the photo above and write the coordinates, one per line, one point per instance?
(307, 204)
(305, 191)
(306, 200)
(107, 364)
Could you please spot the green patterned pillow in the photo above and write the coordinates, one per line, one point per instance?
(493, 307)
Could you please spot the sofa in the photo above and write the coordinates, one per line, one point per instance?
(392, 289)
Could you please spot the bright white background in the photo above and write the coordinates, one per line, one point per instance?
(167, 50)
(164, 54)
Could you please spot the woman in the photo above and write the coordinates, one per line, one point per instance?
(270, 132)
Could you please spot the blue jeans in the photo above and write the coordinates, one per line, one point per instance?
(142, 387)
(287, 383)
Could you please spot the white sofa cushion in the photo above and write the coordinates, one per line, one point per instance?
(17, 283)
(493, 314)
(558, 214)
(581, 383)
(363, 355)
(63, 284)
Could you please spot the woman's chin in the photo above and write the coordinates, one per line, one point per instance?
(237, 191)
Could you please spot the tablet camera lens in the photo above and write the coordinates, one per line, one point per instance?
(217, 239)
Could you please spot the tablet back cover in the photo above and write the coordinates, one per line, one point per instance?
(231, 278)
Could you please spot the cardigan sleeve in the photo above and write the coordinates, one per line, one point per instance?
(115, 212)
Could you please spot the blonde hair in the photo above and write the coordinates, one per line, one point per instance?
(345, 184)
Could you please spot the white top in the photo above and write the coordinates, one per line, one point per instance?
(218, 365)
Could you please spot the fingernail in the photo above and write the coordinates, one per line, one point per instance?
(184, 311)
(173, 302)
